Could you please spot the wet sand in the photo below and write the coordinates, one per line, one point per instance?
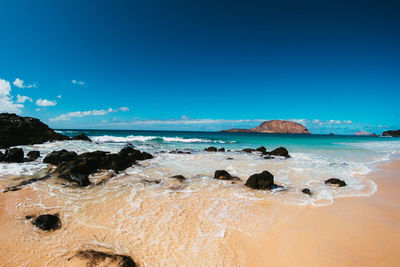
(179, 230)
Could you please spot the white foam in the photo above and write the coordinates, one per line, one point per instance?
(140, 138)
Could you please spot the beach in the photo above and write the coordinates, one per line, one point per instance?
(209, 226)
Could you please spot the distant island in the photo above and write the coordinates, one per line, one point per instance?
(274, 126)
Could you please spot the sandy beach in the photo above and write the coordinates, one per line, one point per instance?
(354, 231)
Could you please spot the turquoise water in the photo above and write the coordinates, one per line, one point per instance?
(364, 145)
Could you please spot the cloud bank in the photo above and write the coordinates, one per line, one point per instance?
(79, 114)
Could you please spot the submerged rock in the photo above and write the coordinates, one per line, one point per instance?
(211, 149)
(306, 191)
(47, 222)
(16, 130)
(81, 137)
(178, 177)
(57, 157)
(224, 175)
(26, 182)
(14, 155)
(33, 155)
(335, 181)
(98, 258)
(263, 180)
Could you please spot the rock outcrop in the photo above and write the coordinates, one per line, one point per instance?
(16, 130)
(224, 175)
(275, 126)
(33, 155)
(99, 258)
(77, 168)
(394, 133)
(81, 137)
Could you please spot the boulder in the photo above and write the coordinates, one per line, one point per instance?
(335, 181)
(393, 133)
(223, 175)
(306, 191)
(280, 151)
(2, 156)
(211, 149)
(14, 155)
(57, 157)
(263, 180)
(221, 149)
(33, 155)
(16, 130)
(81, 137)
(47, 222)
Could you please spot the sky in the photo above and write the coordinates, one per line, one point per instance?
(202, 65)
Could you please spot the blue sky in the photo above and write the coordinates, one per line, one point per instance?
(202, 65)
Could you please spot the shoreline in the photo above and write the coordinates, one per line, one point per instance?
(351, 231)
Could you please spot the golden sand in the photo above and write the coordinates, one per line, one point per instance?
(178, 229)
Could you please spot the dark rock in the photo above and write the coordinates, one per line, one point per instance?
(335, 181)
(229, 158)
(262, 149)
(57, 157)
(263, 180)
(33, 155)
(268, 157)
(79, 169)
(306, 191)
(16, 130)
(393, 133)
(28, 217)
(221, 149)
(248, 150)
(14, 155)
(1, 156)
(96, 258)
(146, 155)
(211, 149)
(26, 182)
(179, 177)
(81, 137)
(47, 222)
(280, 151)
(224, 175)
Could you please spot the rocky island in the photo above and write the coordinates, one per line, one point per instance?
(274, 126)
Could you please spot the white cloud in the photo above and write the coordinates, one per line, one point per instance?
(59, 96)
(6, 102)
(23, 99)
(45, 102)
(78, 82)
(20, 84)
(79, 114)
